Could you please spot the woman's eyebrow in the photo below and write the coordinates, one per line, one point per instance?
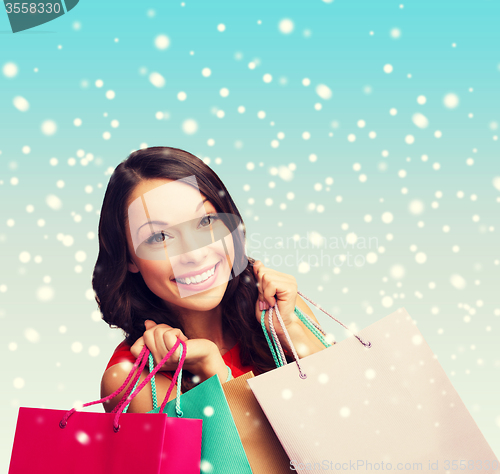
(166, 223)
(201, 203)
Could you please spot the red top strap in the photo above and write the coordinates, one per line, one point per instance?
(231, 358)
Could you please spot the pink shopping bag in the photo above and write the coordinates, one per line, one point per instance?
(51, 441)
(379, 400)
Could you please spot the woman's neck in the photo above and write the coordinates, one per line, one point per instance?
(207, 325)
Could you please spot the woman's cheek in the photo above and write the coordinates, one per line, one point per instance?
(155, 271)
(230, 248)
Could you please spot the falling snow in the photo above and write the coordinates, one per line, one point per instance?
(304, 157)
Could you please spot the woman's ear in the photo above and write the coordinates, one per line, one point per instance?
(132, 267)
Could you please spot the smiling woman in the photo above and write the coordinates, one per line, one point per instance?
(172, 264)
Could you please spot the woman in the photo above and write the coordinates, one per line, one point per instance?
(142, 286)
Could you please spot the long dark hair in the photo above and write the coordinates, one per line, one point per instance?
(124, 298)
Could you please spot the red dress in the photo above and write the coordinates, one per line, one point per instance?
(231, 358)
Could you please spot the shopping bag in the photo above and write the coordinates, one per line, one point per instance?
(378, 400)
(49, 441)
(263, 449)
(221, 449)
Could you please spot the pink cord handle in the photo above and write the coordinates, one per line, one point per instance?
(141, 362)
(174, 378)
(65, 418)
(132, 384)
(116, 426)
(134, 381)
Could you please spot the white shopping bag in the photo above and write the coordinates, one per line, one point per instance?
(389, 406)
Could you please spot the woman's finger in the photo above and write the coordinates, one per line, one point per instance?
(149, 324)
(169, 340)
(163, 341)
(268, 283)
(136, 348)
(259, 271)
(160, 349)
(269, 287)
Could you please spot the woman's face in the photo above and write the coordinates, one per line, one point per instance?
(175, 244)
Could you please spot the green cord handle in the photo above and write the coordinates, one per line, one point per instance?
(307, 322)
(178, 400)
(153, 384)
(178, 410)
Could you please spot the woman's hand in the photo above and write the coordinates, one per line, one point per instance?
(276, 287)
(202, 355)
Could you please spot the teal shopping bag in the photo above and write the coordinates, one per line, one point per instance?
(221, 448)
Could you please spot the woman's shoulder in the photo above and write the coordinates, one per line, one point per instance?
(121, 354)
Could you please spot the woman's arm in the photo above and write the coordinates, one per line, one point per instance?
(303, 340)
(114, 377)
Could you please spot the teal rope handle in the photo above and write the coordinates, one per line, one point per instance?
(277, 358)
(310, 321)
(307, 322)
(133, 390)
(178, 410)
(153, 387)
(153, 383)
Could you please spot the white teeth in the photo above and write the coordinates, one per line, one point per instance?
(197, 278)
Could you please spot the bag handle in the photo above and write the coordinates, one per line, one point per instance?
(366, 344)
(308, 322)
(153, 389)
(133, 385)
(142, 359)
(302, 375)
(281, 353)
(313, 326)
(116, 426)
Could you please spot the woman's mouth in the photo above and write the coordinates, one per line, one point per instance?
(200, 281)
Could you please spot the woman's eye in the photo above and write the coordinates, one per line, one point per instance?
(160, 237)
(156, 238)
(212, 217)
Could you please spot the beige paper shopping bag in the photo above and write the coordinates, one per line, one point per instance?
(389, 406)
(263, 449)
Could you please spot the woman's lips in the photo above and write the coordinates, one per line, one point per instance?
(203, 284)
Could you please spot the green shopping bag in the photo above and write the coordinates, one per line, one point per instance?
(221, 448)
